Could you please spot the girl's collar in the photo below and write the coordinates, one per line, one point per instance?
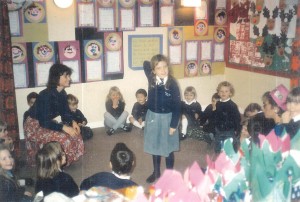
(124, 177)
(189, 103)
(159, 80)
(296, 118)
(225, 100)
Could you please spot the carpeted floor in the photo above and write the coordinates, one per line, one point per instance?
(98, 149)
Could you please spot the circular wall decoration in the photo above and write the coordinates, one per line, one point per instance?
(93, 49)
(43, 51)
(127, 3)
(191, 69)
(175, 36)
(70, 51)
(113, 42)
(205, 68)
(35, 13)
(106, 3)
(18, 52)
(221, 17)
(220, 34)
(201, 27)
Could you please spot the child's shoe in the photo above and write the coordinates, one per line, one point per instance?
(126, 128)
(152, 178)
(110, 131)
(182, 136)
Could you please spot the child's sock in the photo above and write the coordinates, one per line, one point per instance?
(137, 124)
(184, 124)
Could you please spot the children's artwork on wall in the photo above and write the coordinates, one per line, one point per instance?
(201, 28)
(86, 14)
(262, 41)
(20, 64)
(69, 55)
(93, 60)
(106, 15)
(201, 19)
(295, 59)
(220, 34)
(166, 13)
(15, 23)
(205, 68)
(43, 59)
(35, 13)
(205, 50)
(127, 15)
(221, 17)
(113, 52)
(191, 69)
(175, 44)
(146, 13)
(219, 50)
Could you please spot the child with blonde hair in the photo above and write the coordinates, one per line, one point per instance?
(10, 189)
(50, 160)
(228, 117)
(115, 116)
(191, 112)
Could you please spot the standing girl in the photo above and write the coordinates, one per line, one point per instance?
(50, 177)
(10, 190)
(161, 135)
(115, 115)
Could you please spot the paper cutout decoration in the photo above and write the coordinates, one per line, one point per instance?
(106, 3)
(43, 51)
(221, 17)
(19, 53)
(205, 68)
(220, 34)
(35, 13)
(175, 36)
(191, 69)
(113, 41)
(201, 27)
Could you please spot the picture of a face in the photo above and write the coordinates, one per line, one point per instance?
(35, 12)
(70, 51)
(44, 51)
(205, 68)
(191, 69)
(94, 49)
(17, 53)
(113, 41)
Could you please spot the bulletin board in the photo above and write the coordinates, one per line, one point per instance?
(143, 47)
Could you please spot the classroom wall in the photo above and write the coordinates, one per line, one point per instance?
(61, 26)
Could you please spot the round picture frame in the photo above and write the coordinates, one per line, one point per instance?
(191, 69)
(205, 68)
(93, 49)
(220, 34)
(18, 52)
(175, 36)
(113, 42)
(43, 51)
(35, 13)
(127, 3)
(221, 17)
(201, 27)
(70, 51)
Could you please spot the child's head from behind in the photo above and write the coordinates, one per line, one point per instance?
(215, 98)
(190, 94)
(225, 90)
(114, 94)
(50, 159)
(293, 101)
(31, 98)
(121, 159)
(6, 160)
(73, 102)
(160, 66)
(252, 109)
(141, 96)
(3, 129)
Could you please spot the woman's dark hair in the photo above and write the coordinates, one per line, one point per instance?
(55, 72)
(252, 107)
(255, 127)
(121, 159)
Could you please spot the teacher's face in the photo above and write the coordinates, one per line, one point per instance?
(64, 80)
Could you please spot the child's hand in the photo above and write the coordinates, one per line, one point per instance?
(140, 120)
(172, 130)
(27, 193)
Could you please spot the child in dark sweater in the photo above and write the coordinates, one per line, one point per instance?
(139, 110)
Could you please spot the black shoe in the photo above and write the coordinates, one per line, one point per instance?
(126, 128)
(110, 131)
(182, 136)
(29, 182)
(152, 178)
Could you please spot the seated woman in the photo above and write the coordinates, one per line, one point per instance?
(121, 163)
(40, 127)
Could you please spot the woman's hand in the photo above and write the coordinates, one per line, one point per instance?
(76, 126)
(172, 130)
(71, 131)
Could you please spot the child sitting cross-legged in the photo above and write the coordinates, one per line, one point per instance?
(139, 110)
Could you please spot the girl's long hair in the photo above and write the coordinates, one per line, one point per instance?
(111, 91)
(48, 160)
(4, 172)
(154, 61)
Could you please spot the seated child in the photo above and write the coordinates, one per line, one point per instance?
(4, 138)
(10, 190)
(115, 116)
(31, 97)
(121, 163)
(254, 109)
(208, 119)
(139, 110)
(86, 132)
(50, 178)
(191, 111)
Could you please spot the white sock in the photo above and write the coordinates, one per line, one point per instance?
(143, 124)
(137, 124)
(184, 124)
